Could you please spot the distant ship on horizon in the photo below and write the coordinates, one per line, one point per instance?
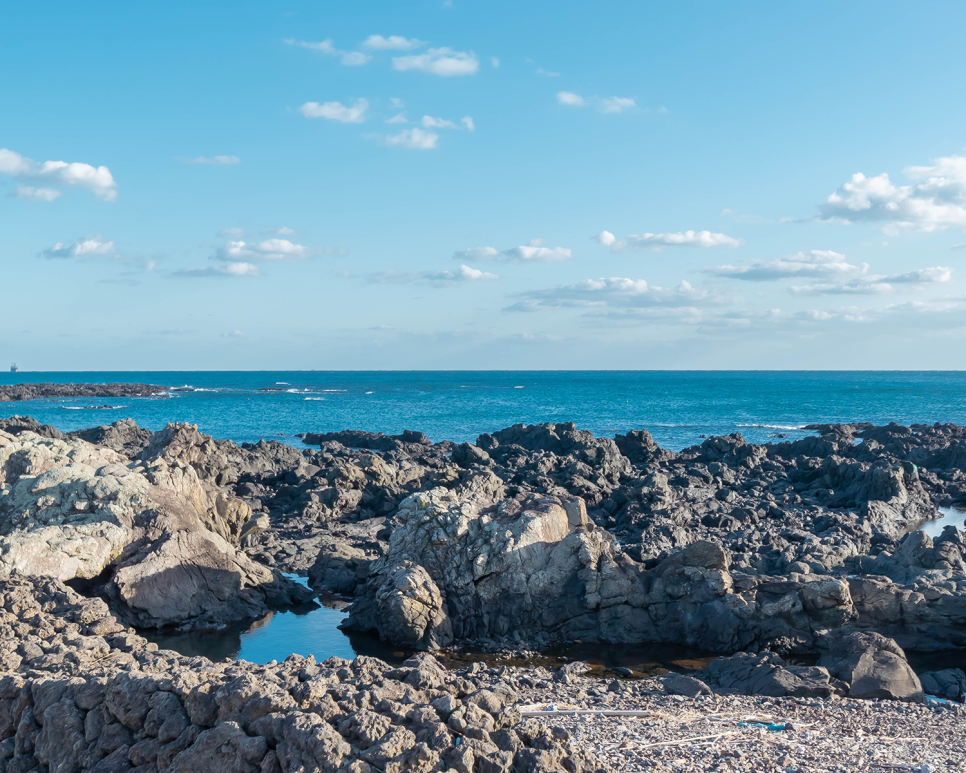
(14, 368)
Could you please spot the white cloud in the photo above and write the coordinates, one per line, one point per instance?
(534, 252)
(439, 61)
(548, 73)
(467, 121)
(233, 334)
(97, 179)
(569, 98)
(604, 105)
(398, 118)
(36, 194)
(348, 58)
(397, 103)
(436, 278)
(605, 237)
(615, 104)
(495, 61)
(229, 269)
(392, 43)
(618, 292)
(336, 111)
(437, 123)
(415, 138)
(283, 231)
(89, 245)
(812, 263)
(238, 251)
(232, 233)
(880, 285)
(215, 160)
(936, 203)
(657, 242)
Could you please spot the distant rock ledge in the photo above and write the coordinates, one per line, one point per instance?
(17, 392)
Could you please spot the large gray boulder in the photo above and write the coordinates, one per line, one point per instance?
(872, 665)
(73, 510)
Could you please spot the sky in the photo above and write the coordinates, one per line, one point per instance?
(458, 184)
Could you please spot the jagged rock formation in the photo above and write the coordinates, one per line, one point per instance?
(149, 532)
(812, 534)
(82, 693)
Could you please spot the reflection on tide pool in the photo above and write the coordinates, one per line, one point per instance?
(307, 630)
(949, 517)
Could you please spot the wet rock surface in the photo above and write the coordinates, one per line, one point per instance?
(79, 692)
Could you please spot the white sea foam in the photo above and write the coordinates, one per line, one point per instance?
(369, 393)
(519, 387)
(279, 383)
(774, 426)
(314, 398)
(92, 407)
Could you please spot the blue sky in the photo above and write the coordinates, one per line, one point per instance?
(462, 184)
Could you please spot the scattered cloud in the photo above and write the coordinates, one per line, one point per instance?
(348, 58)
(397, 103)
(214, 160)
(437, 123)
(237, 251)
(618, 292)
(233, 334)
(89, 245)
(657, 242)
(439, 61)
(415, 138)
(392, 43)
(603, 105)
(812, 263)
(548, 73)
(36, 194)
(534, 252)
(938, 202)
(466, 122)
(615, 104)
(231, 233)
(959, 246)
(398, 118)
(97, 179)
(228, 270)
(569, 98)
(880, 285)
(495, 61)
(336, 111)
(436, 278)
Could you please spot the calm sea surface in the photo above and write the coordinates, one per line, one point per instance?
(677, 407)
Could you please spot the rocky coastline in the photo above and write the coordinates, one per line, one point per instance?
(17, 392)
(531, 537)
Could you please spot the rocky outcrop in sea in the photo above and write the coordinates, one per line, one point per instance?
(16, 392)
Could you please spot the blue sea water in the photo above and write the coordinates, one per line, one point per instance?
(677, 407)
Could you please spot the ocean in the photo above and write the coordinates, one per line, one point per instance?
(677, 407)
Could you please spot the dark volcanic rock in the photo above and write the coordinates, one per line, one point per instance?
(80, 692)
(14, 392)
